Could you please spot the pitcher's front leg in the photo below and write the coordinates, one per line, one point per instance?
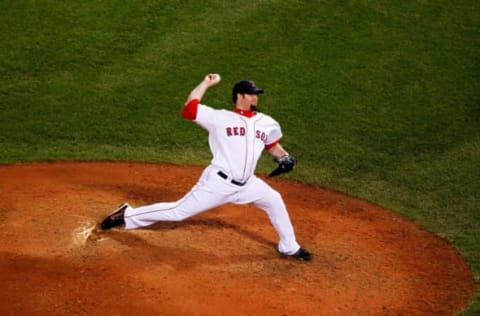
(272, 203)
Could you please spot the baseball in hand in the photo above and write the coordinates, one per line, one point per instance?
(214, 78)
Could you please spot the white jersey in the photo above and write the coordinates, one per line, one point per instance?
(237, 141)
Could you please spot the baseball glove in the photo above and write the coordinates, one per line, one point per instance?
(285, 164)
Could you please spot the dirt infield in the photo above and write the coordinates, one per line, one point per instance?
(54, 261)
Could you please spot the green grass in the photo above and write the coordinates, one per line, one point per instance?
(377, 99)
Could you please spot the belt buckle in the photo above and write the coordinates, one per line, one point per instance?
(240, 184)
(225, 177)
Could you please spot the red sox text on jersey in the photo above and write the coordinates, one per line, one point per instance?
(240, 131)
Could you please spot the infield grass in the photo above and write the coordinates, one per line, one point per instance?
(376, 99)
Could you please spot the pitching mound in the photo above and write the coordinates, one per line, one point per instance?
(54, 260)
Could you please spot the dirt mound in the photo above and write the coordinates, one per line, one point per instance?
(367, 260)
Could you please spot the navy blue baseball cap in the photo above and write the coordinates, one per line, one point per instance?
(245, 87)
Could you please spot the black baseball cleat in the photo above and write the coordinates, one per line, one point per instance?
(115, 218)
(302, 254)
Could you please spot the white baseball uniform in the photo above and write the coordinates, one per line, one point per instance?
(236, 139)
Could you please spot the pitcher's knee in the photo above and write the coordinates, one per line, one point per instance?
(273, 199)
(275, 196)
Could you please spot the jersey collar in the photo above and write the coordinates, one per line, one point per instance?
(245, 113)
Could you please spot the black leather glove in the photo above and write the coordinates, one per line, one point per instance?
(285, 164)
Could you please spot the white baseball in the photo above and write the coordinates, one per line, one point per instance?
(214, 78)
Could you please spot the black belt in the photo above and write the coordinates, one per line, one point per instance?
(223, 175)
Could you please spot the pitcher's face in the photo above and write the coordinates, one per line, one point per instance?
(247, 101)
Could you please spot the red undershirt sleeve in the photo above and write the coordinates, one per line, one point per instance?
(270, 146)
(190, 109)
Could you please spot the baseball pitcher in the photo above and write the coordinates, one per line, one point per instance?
(236, 138)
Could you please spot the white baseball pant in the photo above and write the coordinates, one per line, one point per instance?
(212, 191)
